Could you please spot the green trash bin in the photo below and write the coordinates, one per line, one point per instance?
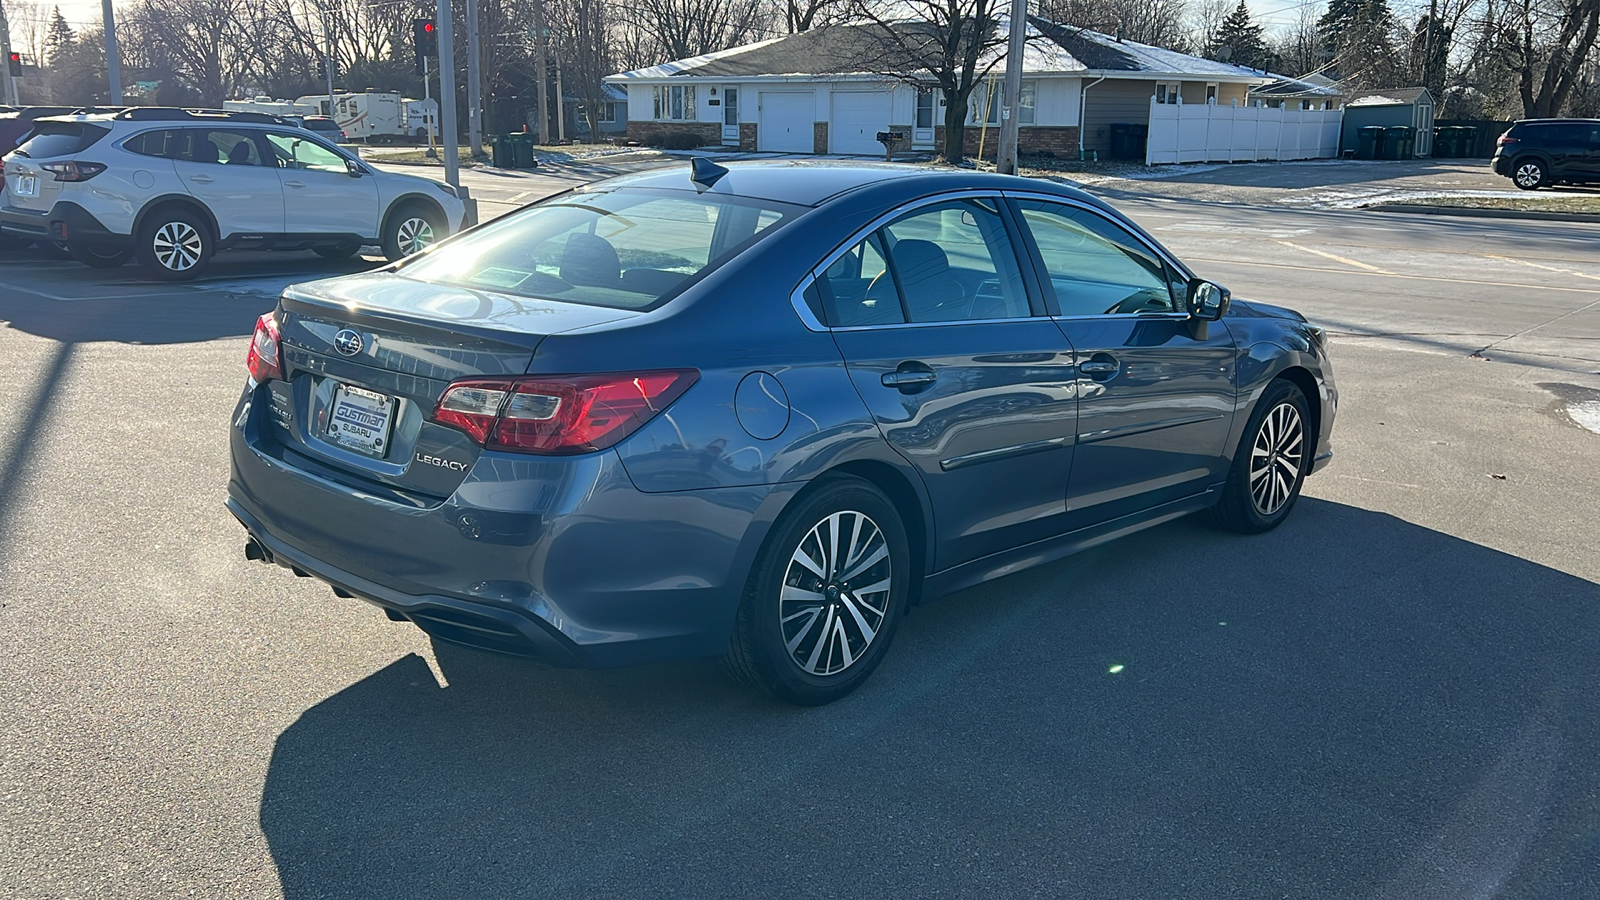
(1369, 142)
(523, 145)
(1394, 141)
(1121, 140)
(1444, 142)
(1467, 141)
(1138, 137)
(500, 152)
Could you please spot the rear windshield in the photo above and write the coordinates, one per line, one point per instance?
(627, 249)
(51, 139)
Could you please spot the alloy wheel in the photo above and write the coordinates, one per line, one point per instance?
(414, 235)
(836, 593)
(178, 246)
(1275, 458)
(1529, 175)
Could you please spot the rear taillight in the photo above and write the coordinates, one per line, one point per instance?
(559, 414)
(1505, 139)
(73, 171)
(263, 358)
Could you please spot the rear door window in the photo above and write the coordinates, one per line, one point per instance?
(52, 139)
(166, 143)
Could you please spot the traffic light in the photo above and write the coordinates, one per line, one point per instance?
(424, 39)
(14, 64)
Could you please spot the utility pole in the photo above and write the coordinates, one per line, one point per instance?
(9, 97)
(327, 57)
(474, 82)
(428, 115)
(448, 132)
(1005, 158)
(542, 64)
(561, 109)
(113, 68)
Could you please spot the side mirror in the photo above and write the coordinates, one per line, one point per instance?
(1207, 301)
(354, 168)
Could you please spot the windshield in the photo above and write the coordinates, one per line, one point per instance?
(623, 249)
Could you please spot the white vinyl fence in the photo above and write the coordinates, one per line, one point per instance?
(1210, 132)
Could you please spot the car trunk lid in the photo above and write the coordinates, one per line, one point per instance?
(28, 185)
(366, 358)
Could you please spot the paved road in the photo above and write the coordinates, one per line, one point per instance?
(1394, 695)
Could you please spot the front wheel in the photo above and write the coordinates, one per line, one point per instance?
(412, 230)
(96, 257)
(1270, 465)
(825, 596)
(1529, 174)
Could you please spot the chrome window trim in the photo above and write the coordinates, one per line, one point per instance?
(803, 310)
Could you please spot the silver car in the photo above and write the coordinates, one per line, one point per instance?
(171, 187)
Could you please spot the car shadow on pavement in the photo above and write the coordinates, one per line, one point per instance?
(1349, 706)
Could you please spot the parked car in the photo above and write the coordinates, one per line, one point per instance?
(1534, 153)
(325, 127)
(172, 187)
(759, 413)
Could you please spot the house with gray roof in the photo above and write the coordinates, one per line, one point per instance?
(833, 89)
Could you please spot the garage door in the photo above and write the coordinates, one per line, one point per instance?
(858, 116)
(786, 122)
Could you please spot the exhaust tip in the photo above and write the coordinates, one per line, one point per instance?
(299, 572)
(394, 616)
(341, 592)
(254, 551)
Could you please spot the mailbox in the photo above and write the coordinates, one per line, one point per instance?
(891, 137)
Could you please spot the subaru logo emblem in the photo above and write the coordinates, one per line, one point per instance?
(347, 342)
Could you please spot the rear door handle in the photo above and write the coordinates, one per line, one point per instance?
(294, 184)
(909, 375)
(1099, 367)
(201, 179)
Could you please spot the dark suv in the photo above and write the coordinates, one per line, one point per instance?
(1539, 152)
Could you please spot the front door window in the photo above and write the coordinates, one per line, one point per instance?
(924, 107)
(730, 106)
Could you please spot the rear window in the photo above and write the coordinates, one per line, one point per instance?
(52, 139)
(622, 249)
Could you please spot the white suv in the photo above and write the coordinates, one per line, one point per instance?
(173, 186)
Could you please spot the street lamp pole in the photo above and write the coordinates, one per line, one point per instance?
(113, 68)
(10, 95)
(474, 82)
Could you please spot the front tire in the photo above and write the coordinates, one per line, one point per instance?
(174, 245)
(825, 596)
(1270, 465)
(412, 229)
(1529, 174)
(100, 257)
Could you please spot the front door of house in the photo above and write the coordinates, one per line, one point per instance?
(730, 116)
(922, 131)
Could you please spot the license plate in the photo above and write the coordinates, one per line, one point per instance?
(28, 186)
(361, 420)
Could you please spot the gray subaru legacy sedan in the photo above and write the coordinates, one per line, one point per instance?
(757, 411)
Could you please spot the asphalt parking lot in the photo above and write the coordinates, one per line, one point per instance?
(1393, 695)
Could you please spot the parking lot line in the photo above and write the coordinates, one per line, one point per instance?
(1349, 262)
(1379, 273)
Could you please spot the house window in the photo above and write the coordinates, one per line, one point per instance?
(1305, 104)
(674, 103)
(1167, 92)
(1211, 92)
(1327, 104)
(608, 112)
(989, 99)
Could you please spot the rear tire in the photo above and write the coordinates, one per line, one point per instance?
(839, 558)
(1529, 174)
(1270, 465)
(100, 257)
(412, 229)
(174, 244)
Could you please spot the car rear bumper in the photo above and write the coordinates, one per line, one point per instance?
(560, 558)
(66, 221)
(1501, 166)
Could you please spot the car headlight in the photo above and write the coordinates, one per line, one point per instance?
(446, 188)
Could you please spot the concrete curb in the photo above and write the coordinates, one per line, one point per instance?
(1484, 213)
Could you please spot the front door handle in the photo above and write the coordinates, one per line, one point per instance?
(201, 179)
(294, 184)
(909, 375)
(1099, 367)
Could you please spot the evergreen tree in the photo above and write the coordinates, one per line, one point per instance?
(1242, 38)
(1357, 36)
(59, 38)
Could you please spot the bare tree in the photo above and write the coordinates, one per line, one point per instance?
(1161, 23)
(804, 15)
(586, 27)
(685, 28)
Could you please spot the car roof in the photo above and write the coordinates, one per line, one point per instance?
(814, 182)
(1573, 121)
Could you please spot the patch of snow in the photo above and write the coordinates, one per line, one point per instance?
(1376, 101)
(1586, 413)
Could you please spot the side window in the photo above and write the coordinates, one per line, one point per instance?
(294, 152)
(859, 289)
(232, 148)
(1096, 266)
(954, 262)
(166, 143)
